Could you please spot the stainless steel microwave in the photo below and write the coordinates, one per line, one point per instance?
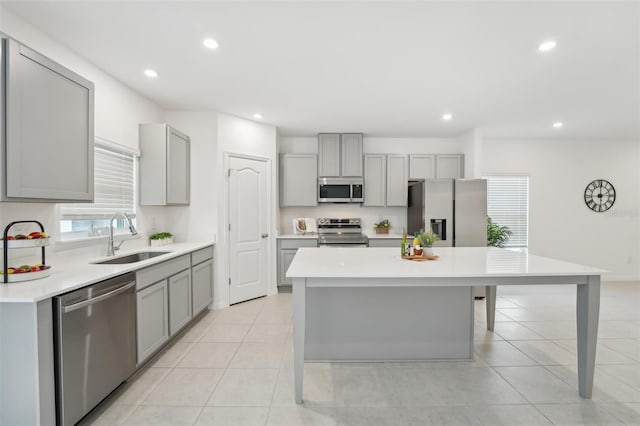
(340, 190)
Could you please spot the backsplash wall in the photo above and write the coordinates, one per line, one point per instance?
(369, 215)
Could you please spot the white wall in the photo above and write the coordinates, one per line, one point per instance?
(240, 136)
(560, 224)
(118, 110)
(371, 145)
(198, 221)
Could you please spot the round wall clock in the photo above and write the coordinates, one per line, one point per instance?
(599, 195)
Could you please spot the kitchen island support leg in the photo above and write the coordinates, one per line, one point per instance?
(490, 301)
(299, 317)
(587, 314)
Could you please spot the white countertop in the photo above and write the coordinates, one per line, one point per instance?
(297, 236)
(453, 262)
(70, 274)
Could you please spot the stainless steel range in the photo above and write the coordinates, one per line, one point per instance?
(341, 233)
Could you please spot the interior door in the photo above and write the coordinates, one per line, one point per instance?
(248, 236)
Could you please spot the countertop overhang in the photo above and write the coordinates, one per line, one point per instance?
(453, 262)
(70, 274)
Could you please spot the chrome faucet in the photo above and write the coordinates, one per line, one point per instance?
(111, 250)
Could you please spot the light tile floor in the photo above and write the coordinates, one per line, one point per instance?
(234, 367)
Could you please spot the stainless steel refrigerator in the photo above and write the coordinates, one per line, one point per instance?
(456, 210)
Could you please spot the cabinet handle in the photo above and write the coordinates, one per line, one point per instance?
(264, 235)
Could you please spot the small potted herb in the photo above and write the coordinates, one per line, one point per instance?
(382, 227)
(426, 242)
(161, 239)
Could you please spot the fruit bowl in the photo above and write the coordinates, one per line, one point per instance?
(27, 243)
(43, 272)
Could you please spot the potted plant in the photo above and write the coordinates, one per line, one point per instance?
(382, 227)
(161, 239)
(427, 239)
(497, 235)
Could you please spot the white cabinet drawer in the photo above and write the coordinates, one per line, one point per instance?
(152, 274)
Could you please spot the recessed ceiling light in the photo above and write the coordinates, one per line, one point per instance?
(210, 43)
(151, 73)
(257, 116)
(547, 46)
(557, 124)
(447, 117)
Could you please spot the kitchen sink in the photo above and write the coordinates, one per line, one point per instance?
(131, 258)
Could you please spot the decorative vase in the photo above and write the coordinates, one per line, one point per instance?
(427, 251)
(382, 230)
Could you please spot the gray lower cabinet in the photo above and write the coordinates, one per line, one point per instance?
(287, 249)
(152, 325)
(164, 303)
(385, 242)
(47, 118)
(179, 301)
(285, 258)
(298, 180)
(202, 286)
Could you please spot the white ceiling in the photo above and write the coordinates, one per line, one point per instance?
(382, 68)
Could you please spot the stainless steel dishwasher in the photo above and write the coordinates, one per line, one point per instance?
(95, 344)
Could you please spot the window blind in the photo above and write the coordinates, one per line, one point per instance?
(508, 205)
(114, 186)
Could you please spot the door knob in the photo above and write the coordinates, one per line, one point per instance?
(265, 235)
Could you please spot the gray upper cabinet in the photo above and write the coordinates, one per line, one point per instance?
(298, 180)
(385, 180)
(375, 180)
(329, 154)
(397, 178)
(164, 166)
(47, 126)
(351, 155)
(450, 166)
(422, 166)
(340, 155)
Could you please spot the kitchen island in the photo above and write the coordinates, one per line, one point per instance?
(369, 304)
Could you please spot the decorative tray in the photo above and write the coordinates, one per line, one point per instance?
(28, 276)
(421, 258)
(39, 242)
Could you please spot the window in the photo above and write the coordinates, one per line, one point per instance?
(114, 186)
(508, 205)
